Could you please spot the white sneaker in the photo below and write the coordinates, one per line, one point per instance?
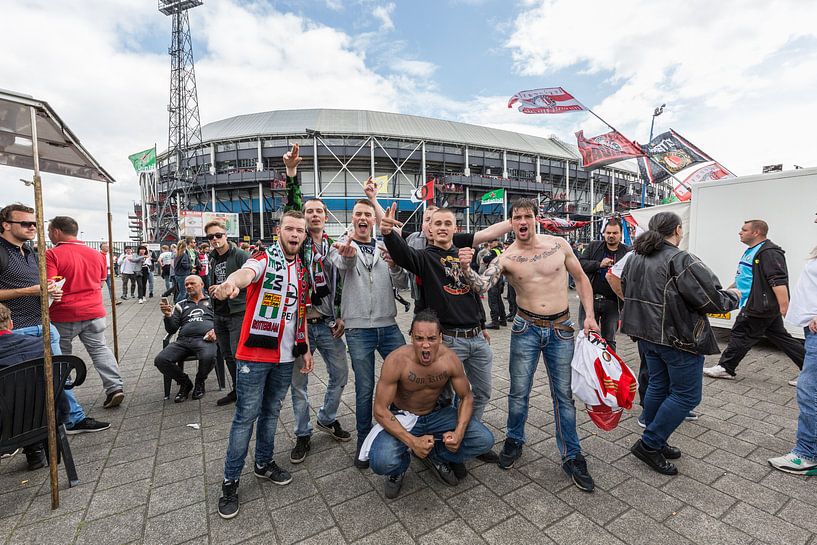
(793, 382)
(792, 463)
(717, 372)
(141, 301)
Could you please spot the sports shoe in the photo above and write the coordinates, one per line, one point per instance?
(141, 300)
(653, 458)
(692, 416)
(576, 469)
(489, 457)
(10, 454)
(274, 473)
(335, 430)
(87, 425)
(511, 451)
(793, 382)
(228, 502)
(226, 400)
(441, 470)
(671, 453)
(716, 371)
(794, 464)
(114, 399)
(297, 455)
(36, 459)
(641, 421)
(393, 485)
(360, 464)
(459, 470)
(184, 391)
(198, 390)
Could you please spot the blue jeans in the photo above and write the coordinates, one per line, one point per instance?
(806, 446)
(362, 344)
(181, 293)
(476, 357)
(674, 389)
(528, 341)
(76, 413)
(260, 391)
(389, 456)
(333, 352)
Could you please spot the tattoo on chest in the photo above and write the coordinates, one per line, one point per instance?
(538, 257)
(428, 379)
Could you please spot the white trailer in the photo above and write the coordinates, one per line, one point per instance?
(787, 201)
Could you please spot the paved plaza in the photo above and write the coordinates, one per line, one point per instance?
(152, 478)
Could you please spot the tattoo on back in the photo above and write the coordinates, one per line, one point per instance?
(537, 257)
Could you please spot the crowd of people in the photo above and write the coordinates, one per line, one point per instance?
(267, 311)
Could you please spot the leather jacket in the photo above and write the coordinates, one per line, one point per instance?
(667, 296)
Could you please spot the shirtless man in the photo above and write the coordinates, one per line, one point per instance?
(406, 407)
(537, 266)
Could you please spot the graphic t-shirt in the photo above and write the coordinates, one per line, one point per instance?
(288, 306)
(743, 278)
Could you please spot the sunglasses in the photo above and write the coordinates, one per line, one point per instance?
(216, 235)
(24, 224)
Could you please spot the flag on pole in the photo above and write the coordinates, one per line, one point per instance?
(549, 100)
(144, 160)
(666, 155)
(423, 193)
(497, 196)
(605, 149)
(382, 183)
(560, 226)
(599, 207)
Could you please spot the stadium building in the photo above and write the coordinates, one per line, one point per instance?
(242, 170)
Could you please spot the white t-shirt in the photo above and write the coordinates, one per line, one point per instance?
(166, 258)
(618, 267)
(286, 341)
(803, 306)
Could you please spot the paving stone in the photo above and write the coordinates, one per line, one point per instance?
(422, 512)
(699, 495)
(253, 520)
(516, 530)
(122, 455)
(456, 532)
(301, 520)
(125, 473)
(342, 485)
(796, 487)
(49, 532)
(602, 506)
(647, 499)
(480, 508)
(177, 526)
(332, 536)
(178, 470)
(122, 528)
(394, 534)
(738, 465)
(752, 493)
(172, 496)
(537, 505)
(765, 526)
(579, 530)
(799, 514)
(362, 515)
(119, 499)
(634, 528)
(702, 529)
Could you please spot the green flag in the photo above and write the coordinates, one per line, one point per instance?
(497, 196)
(144, 160)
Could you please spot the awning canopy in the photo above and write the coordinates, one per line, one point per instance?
(60, 152)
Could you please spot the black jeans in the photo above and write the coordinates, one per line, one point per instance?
(228, 330)
(142, 282)
(168, 359)
(495, 303)
(748, 330)
(607, 314)
(511, 300)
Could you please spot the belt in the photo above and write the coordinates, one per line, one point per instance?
(314, 321)
(557, 323)
(460, 333)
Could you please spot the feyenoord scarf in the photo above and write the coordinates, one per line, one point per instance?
(268, 316)
(314, 257)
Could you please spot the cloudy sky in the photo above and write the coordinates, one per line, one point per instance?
(738, 78)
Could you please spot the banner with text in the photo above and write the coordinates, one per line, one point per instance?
(548, 100)
(605, 149)
(192, 222)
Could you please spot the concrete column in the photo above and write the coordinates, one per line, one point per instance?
(567, 187)
(504, 164)
(315, 170)
(212, 158)
(261, 208)
(612, 191)
(259, 164)
(371, 156)
(468, 209)
(538, 174)
(467, 170)
(213, 199)
(538, 203)
(423, 168)
(592, 205)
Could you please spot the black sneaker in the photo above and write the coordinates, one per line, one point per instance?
(360, 464)
(489, 457)
(492, 325)
(114, 399)
(393, 485)
(459, 470)
(228, 502)
(671, 453)
(274, 473)
(441, 470)
(184, 391)
(511, 451)
(576, 469)
(226, 400)
(36, 459)
(298, 453)
(87, 425)
(653, 458)
(198, 390)
(334, 429)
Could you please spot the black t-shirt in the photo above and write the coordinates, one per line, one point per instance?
(443, 287)
(218, 264)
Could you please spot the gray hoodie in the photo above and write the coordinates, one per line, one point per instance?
(368, 297)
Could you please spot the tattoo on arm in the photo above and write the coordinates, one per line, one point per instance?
(484, 282)
(393, 418)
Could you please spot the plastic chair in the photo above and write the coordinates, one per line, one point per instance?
(23, 419)
(219, 366)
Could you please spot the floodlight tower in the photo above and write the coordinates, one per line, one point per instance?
(181, 177)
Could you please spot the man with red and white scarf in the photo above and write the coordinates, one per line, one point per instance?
(273, 335)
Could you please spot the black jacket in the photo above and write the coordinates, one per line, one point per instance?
(768, 270)
(191, 319)
(667, 296)
(591, 262)
(233, 260)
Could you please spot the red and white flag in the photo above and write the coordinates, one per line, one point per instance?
(423, 193)
(605, 149)
(549, 100)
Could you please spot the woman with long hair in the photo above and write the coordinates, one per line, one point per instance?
(139, 266)
(667, 294)
(802, 460)
(182, 268)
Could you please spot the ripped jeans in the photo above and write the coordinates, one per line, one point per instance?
(260, 391)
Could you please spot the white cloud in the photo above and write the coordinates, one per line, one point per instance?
(737, 82)
(334, 5)
(383, 14)
(420, 69)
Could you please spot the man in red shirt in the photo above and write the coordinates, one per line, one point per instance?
(81, 312)
(273, 334)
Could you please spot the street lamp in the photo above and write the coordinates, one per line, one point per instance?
(658, 111)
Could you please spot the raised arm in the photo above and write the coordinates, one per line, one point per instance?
(294, 196)
(371, 193)
(480, 282)
(492, 232)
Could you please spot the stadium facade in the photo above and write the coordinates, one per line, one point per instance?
(241, 169)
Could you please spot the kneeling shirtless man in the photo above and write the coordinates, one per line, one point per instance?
(537, 266)
(406, 407)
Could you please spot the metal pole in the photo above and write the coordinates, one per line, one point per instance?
(213, 198)
(113, 277)
(467, 209)
(423, 171)
(538, 204)
(48, 370)
(567, 188)
(315, 165)
(261, 208)
(592, 207)
(505, 205)
(612, 191)
(371, 157)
